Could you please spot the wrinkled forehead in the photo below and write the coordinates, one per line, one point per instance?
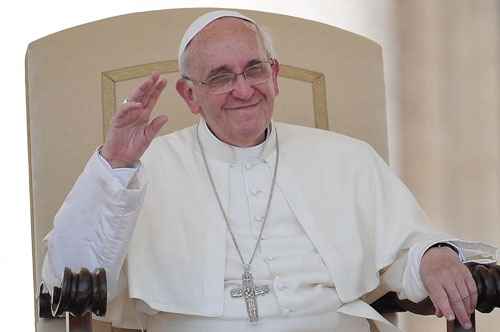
(227, 40)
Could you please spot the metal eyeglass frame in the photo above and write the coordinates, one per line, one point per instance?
(235, 76)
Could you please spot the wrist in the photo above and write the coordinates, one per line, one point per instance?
(114, 162)
(120, 164)
(439, 253)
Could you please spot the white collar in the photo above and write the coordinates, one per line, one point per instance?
(217, 149)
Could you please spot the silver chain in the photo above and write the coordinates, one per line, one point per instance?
(246, 266)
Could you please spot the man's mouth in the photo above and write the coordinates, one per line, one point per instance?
(232, 108)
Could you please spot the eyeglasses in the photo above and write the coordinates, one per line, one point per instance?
(224, 82)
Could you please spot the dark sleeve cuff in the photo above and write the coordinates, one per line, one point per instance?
(444, 244)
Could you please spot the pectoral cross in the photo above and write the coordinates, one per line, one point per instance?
(249, 292)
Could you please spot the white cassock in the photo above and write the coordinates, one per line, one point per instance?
(338, 217)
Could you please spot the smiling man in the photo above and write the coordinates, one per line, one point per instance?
(236, 223)
(238, 108)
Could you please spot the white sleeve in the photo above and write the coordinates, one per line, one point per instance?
(123, 175)
(94, 224)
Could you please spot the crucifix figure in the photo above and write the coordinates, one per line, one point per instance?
(249, 292)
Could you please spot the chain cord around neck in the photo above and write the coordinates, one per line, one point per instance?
(246, 266)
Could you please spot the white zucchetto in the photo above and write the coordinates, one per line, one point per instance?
(202, 22)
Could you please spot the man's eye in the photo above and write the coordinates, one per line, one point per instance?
(220, 79)
(254, 70)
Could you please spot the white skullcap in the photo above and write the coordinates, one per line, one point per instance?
(202, 22)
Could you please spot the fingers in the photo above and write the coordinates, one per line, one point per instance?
(142, 102)
(449, 302)
(472, 287)
(129, 113)
(152, 98)
(464, 295)
(126, 108)
(143, 90)
(458, 305)
(440, 300)
(154, 127)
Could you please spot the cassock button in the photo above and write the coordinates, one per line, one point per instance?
(256, 192)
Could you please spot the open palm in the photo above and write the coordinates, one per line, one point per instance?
(131, 130)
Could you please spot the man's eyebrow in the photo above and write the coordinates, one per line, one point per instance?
(253, 62)
(225, 68)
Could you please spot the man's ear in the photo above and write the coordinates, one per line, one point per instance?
(185, 90)
(276, 71)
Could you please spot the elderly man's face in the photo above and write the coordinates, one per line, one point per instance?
(240, 116)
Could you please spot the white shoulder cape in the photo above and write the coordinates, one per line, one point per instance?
(358, 214)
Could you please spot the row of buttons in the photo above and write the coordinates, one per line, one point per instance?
(256, 192)
(282, 286)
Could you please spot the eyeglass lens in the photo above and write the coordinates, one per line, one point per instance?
(255, 74)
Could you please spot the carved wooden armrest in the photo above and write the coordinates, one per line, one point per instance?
(80, 295)
(487, 278)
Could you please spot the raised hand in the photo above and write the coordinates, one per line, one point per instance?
(131, 130)
(450, 285)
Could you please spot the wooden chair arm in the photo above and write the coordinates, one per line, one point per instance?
(486, 276)
(80, 295)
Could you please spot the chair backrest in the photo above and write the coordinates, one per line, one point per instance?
(330, 78)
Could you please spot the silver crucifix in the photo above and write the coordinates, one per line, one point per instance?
(249, 292)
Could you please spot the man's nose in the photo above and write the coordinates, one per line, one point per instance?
(242, 89)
